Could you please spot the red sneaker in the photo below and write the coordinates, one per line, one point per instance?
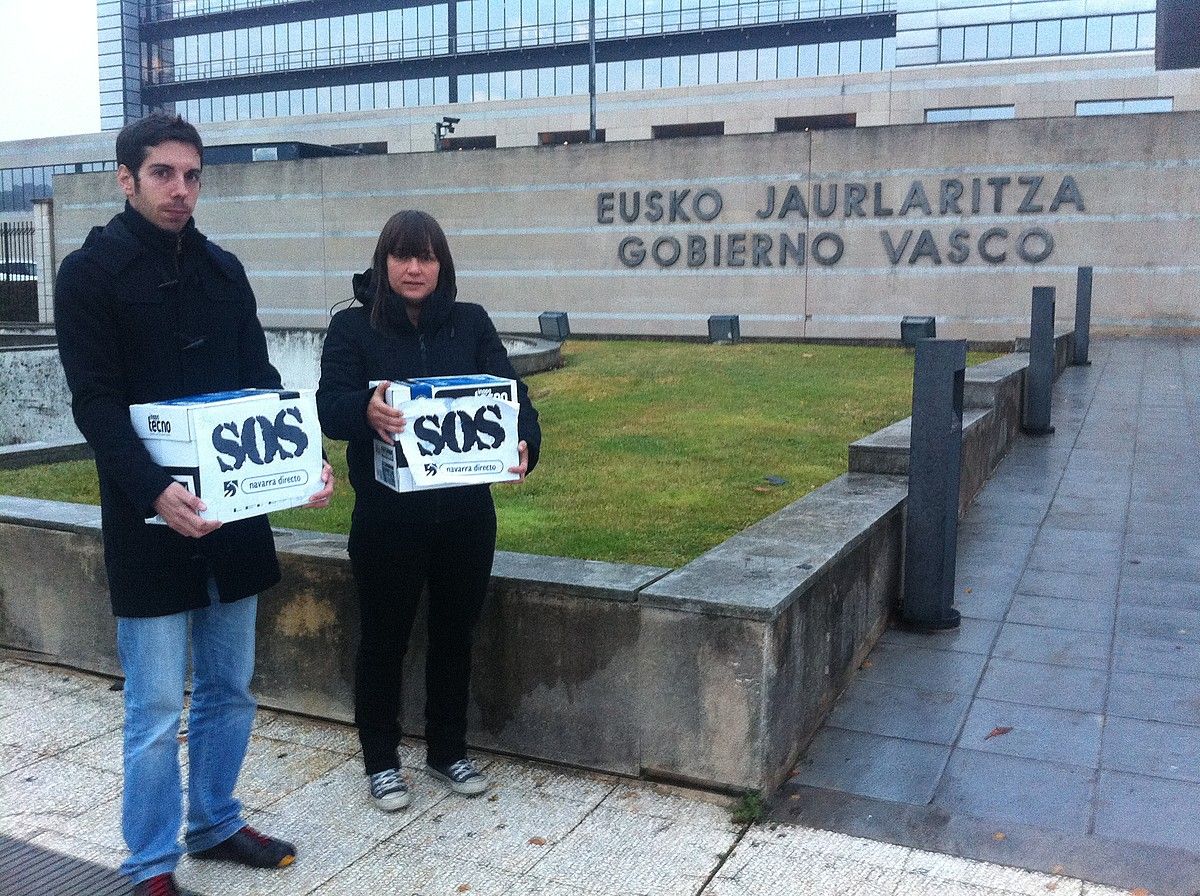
(160, 885)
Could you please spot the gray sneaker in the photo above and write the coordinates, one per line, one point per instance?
(461, 776)
(389, 790)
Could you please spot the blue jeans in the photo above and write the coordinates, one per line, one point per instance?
(154, 653)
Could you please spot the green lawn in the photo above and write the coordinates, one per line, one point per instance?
(653, 452)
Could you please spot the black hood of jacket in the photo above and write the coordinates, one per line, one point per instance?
(435, 310)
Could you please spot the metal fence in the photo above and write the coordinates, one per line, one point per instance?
(18, 272)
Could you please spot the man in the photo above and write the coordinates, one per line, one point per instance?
(149, 310)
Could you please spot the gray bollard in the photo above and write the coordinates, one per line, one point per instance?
(554, 325)
(1083, 315)
(1039, 376)
(934, 467)
(724, 328)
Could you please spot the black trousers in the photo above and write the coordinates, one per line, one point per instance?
(454, 559)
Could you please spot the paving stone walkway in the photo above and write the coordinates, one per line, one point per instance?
(1059, 727)
(540, 831)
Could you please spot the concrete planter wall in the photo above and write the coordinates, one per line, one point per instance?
(718, 672)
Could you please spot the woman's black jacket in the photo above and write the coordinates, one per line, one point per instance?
(453, 338)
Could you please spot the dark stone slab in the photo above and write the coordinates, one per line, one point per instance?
(1093, 487)
(1021, 510)
(1171, 569)
(1038, 684)
(55, 515)
(1076, 541)
(590, 578)
(1180, 544)
(30, 454)
(1170, 623)
(874, 707)
(1164, 870)
(986, 601)
(973, 570)
(1058, 612)
(886, 768)
(1148, 810)
(978, 531)
(1037, 732)
(1072, 586)
(1159, 593)
(972, 636)
(1158, 749)
(758, 573)
(1150, 519)
(1011, 789)
(1098, 562)
(1055, 646)
(1158, 698)
(1156, 656)
(1109, 520)
(923, 668)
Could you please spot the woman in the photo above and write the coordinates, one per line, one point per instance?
(407, 323)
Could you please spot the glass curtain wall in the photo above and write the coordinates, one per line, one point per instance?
(20, 186)
(488, 25)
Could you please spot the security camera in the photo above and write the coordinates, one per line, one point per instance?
(450, 120)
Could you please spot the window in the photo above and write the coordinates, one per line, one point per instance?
(695, 129)
(461, 143)
(562, 138)
(969, 113)
(814, 122)
(1047, 37)
(1124, 107)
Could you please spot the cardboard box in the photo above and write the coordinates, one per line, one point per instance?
(244, 453)
(475, 385)
(462, 430)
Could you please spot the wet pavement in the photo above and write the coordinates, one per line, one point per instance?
(1059, 726)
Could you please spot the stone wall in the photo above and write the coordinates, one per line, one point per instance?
(816, 234)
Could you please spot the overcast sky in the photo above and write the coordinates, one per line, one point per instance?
(49, 85)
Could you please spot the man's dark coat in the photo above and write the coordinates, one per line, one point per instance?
(146, 315)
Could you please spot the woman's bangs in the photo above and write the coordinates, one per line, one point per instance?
(411, 241)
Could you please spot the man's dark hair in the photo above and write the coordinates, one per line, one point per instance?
(136, 138)
(407, 234)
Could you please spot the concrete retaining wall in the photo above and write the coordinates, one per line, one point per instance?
(35, 405)
(716, 673)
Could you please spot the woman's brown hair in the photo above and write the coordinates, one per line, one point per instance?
(408, 234)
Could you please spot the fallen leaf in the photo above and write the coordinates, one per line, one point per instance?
(762, 489)
(999, 835)
(866, 664)
(537, 841)
(1053, 885)
(494, 798)
(998, 731)
(463, 888)
(1057, 869)
(968, 590)
(1139, 891)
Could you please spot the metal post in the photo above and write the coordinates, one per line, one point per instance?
(591, 71)
(1083, 315)
(1039, 375)
(934, 468)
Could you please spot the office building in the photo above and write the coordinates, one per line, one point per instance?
(379, 75)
